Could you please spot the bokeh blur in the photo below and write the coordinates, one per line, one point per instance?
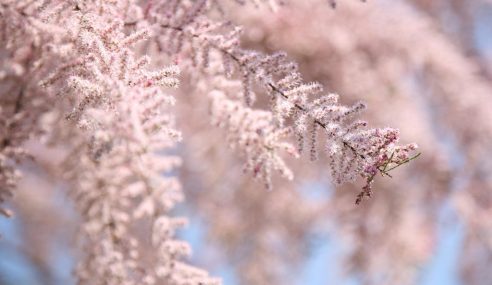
(423, 66)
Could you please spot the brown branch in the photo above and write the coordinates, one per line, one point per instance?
(17, 108)
(271, 85)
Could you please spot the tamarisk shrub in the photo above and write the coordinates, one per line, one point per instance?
(92, 77)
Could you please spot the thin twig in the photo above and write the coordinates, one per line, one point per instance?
(405, 161)
(17, 108)
(272, 86)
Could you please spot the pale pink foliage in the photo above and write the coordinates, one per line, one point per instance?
(84, 61)
(203, 40)
(251, 131)
(414, 76)
(124, 111)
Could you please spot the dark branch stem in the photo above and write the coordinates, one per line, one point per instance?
(17, 108)
(272, 86)
(18, 101)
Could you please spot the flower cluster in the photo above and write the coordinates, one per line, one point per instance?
(125, 127)
(23, 58)
(77, 72)
(252, 133)
(303, 107)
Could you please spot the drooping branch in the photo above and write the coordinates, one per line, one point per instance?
(373, 160)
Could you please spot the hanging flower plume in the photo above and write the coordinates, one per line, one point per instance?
(93, 77)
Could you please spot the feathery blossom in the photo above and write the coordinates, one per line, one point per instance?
(304, 105)
(252, 133)
(83, 68)
(24, 56)
(117, 176)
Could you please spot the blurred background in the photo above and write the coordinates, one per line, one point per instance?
(423, 66)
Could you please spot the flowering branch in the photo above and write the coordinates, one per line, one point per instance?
(367, 151)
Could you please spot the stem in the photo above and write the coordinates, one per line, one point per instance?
(405, 161)
(17, 108)
(252, 71)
